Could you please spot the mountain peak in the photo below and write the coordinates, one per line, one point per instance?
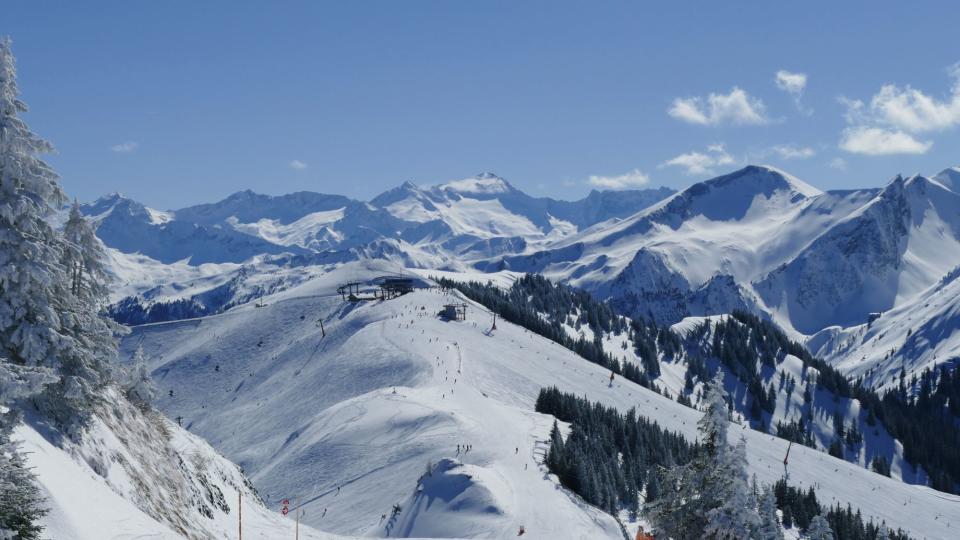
(733, 195)
(949, 178)
(926, 187)
(243, 195)
(899, 185)
(107, 203)
(766, 178)
(109, 199)
(485, 183)
(399, 193)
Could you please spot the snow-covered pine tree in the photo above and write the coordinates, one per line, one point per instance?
(693, 495)
(819, 529)
(137, 383)
(769, 528)
(21, 504)
(883, 533)
(84, 258)
(555, 452)
(678, 511)
(42, 323)
(713, 424)
(736, 517)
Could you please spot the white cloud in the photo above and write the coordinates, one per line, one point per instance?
(125, 147)
(716, 148)
(855, 113)
(875, 141)
(838, 163)
(912, 110)
(700, 163)
(627, 180)
(894, 118)
(793, 83)
(787, 151)
(297, 165)
(737, 107)
(688, 110)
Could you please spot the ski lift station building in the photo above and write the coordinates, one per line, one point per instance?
(393, 286)
(454, 312)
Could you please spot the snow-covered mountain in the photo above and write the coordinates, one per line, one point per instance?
(376, 408)
(949, 178)
(488, 206)
(900, 242)
(446, 225)
(757, 239)
(919, 334)
(193, 253)
(130, 227)
(762, 240)
(741, 225)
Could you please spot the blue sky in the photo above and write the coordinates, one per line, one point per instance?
(175, 103)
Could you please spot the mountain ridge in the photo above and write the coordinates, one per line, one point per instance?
(757, 239)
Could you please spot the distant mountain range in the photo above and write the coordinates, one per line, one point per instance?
(816, 263)
(446, 225)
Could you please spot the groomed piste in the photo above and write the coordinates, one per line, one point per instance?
(398, 407)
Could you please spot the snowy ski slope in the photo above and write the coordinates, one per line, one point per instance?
(349, 422)
(92, 495)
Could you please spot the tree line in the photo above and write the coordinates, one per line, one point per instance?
(923, 414)
(131, 311)
(607, 456)
(685, 490)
